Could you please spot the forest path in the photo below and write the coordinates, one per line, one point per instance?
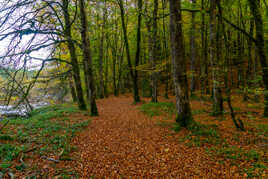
(122, 142)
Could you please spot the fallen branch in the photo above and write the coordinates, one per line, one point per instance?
(22, 162)
(60, 154)
(11, 175)
(50, 159)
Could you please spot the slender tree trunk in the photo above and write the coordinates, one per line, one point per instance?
(184, 117)
(101, 51)
(255, 11)
(106, 73)
(217, 96)
(250, 61)
(237, 122)
(120, 63)
(72, 88)
(133, 73)
(138, 49)
(193, 51)
(204, 64)
(74, 61)
(155, 53)
(87, 59)
(114, 74)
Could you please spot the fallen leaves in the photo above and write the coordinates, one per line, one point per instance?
(123, 142)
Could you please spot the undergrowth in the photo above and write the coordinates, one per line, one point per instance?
(200, 135)
(158, 109)
(216, 146)
(47, 131)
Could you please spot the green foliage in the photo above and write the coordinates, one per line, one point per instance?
(252, 155)
(236, 154)
(48, 126)
(5, 165)
(256, 170)
(8, 152)
(263, 129)
(157, 109)
(202, 134)
(6, 137)
(232, 152)
(198, 111)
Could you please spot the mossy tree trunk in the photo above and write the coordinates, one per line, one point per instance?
(87, 59)
(74, 61)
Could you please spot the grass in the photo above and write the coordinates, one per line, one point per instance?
(263, 129)
(201, 135)
(48, 129)
(235, 155)
(158, 109)
(208, 136)
(161, 108)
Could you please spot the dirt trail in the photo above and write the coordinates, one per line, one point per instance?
(124, 143)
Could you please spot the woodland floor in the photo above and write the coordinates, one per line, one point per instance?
(124, 142)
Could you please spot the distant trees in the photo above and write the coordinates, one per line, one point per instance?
(114, 46)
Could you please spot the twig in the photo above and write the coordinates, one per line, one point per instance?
(11, 175)
(61, 153)
(30, 150)
(22, 162)
(4, 126)
(50, 159)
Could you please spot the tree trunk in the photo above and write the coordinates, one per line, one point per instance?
(255, 11)
(204, 64)
(155, 53)
(74, 61)
(133, 73)
(184, 117)
(217, 96)
(138, 49)
(250, 61)
(87, 59)
(237, 122)
(72, 88)
(101, 51)
(193, 51)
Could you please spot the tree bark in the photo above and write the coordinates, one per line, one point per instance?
(101, 51)
(217, 96)
(155, 53)
(87, 59)
(133, 73)
(74, 61)
(138, 49)
(184, 117)
(255, 11)
(72, 88)
(193, 51)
